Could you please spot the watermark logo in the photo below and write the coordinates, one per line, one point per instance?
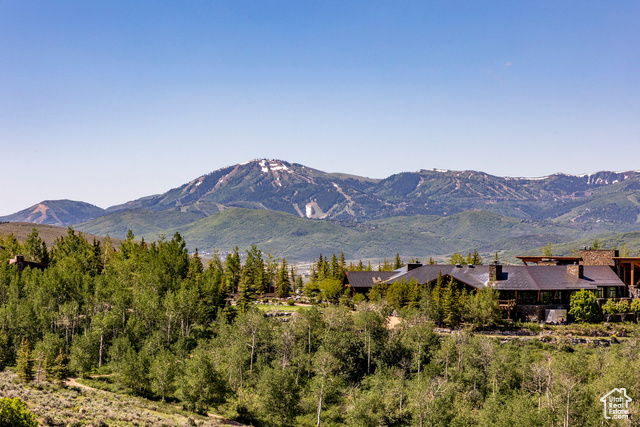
(616, 404)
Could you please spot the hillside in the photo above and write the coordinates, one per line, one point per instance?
(56, 212)
(143, 222)
(48, 233)
(286, 235)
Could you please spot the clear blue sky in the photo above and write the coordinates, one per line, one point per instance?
(109, 101)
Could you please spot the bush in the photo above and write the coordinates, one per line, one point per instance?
(290, 301)
(13, 413)
(584, 306)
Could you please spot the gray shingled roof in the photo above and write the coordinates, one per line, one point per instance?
(367, 279)
(513, 277)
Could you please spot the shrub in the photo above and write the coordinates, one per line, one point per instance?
(584, 306)
(290, 301)
(610, 308)
(14, 413)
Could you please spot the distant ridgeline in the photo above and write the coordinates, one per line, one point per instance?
(296, 212)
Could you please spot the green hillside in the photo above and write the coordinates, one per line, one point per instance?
(143, 222)
(301, 239)
(296, 238)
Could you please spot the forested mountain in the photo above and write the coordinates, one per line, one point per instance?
(410, 212)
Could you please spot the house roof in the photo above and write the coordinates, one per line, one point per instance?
(513, 277)
(367, 279)
(555, 278)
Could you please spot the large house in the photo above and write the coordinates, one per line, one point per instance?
(525, 289)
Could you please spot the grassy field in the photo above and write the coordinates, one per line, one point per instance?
(280, 308)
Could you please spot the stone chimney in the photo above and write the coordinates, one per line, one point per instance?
(495, 271)
(598, 257)
(576, 270)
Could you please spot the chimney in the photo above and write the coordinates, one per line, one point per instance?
(576, 270)
(413, 266)
(495, 271)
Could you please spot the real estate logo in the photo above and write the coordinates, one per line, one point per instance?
(616, 404)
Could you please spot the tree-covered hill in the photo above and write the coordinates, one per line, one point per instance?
(300, 239)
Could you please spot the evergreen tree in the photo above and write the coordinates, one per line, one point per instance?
(95, 263)
(334, 267)
(195, 269)
(450, 304)
(293, 281)
(246, 294)
(60, 370)
(398, 262)
(253, 270)
(283, 289)
(24, 362)
(35, 248)
(476, 259)
(432, 301)
(233, 270)
(342, 266)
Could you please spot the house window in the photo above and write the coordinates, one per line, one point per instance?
(507, 295)
(527, 297)
(612, 292)
(546, 297)
(600, 293)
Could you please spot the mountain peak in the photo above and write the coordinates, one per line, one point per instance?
(56, 212)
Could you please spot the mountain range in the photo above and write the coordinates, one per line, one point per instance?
(297, 211)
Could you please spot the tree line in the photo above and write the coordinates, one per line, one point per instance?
(161, 323)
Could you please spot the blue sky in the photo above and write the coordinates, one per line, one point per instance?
(106, 102)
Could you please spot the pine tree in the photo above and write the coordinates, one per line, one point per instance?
(195, 269)
(334, 266)
(283, 289)
(245, 291)
(450, 304)
(24, 362)
(476, 259)
(435, 300)
(398, 262)
(343, 265)
(232, 270)
(294, 283)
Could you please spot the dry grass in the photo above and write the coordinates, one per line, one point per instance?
(48, 233)
(76, 406)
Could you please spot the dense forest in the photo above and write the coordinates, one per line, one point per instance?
(156, 322)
